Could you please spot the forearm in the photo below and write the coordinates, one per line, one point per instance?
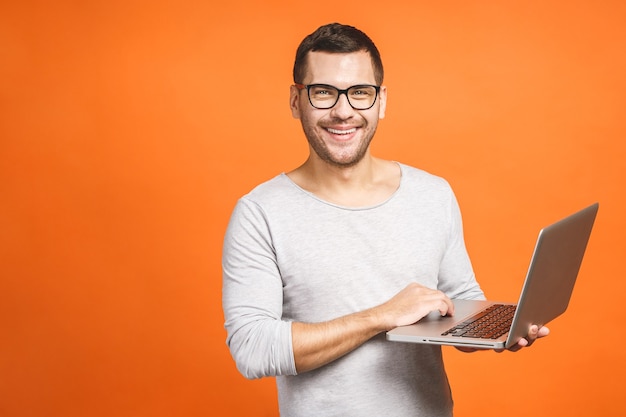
(316, 344)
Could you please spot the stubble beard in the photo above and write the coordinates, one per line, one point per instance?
(325, 154)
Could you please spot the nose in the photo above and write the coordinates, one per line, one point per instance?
(342, 109)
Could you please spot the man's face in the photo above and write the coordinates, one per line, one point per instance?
(340, 135)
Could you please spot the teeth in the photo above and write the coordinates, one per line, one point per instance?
(342, 132)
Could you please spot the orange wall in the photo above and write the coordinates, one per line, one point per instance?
(128, 130)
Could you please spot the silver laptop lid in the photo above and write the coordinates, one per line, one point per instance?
(553, 271)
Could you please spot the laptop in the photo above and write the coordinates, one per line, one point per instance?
(545, 295)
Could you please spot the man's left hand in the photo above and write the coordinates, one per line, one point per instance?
(534, 333)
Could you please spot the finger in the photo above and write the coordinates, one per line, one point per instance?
(522, 343)
(533, 333)
(543, 332)
(446, 308)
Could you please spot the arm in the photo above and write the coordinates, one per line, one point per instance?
(261, 341)
(316, 344)
(258, 339)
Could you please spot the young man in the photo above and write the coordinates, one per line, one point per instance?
(319, 262)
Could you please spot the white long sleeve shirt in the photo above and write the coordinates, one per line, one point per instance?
(290, 256)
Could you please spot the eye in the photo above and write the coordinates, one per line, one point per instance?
(362, 92)
(322, 92)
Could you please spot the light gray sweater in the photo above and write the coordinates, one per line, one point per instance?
(289, 256)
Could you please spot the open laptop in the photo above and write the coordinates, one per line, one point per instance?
(545, 295)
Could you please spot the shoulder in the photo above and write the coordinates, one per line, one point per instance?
(251, 210)
(279, 185)
(276, 194)
(418, 178)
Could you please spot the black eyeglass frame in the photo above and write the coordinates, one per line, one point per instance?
(339, 93)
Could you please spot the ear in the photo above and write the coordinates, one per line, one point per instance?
(382, 107)
(294, 101)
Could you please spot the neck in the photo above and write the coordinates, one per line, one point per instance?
(369, 182)
(335, 176)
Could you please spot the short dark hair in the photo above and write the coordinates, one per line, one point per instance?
(336, 38)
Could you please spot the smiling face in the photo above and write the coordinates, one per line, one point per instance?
(340, 135)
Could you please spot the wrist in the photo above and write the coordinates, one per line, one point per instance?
(379, 319)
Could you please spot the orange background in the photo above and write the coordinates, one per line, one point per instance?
(129, 129)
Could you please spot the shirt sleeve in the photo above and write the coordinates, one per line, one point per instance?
(252, 297)
(456, 275)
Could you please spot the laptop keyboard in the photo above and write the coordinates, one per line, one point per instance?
(490, 323)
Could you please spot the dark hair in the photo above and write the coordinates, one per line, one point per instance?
(336, 38)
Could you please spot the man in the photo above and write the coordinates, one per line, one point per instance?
(319, 262)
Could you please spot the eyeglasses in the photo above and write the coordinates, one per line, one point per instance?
(324, 96)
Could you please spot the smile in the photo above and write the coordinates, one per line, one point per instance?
(341, 132)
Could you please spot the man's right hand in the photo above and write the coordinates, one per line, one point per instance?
(411, 304)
